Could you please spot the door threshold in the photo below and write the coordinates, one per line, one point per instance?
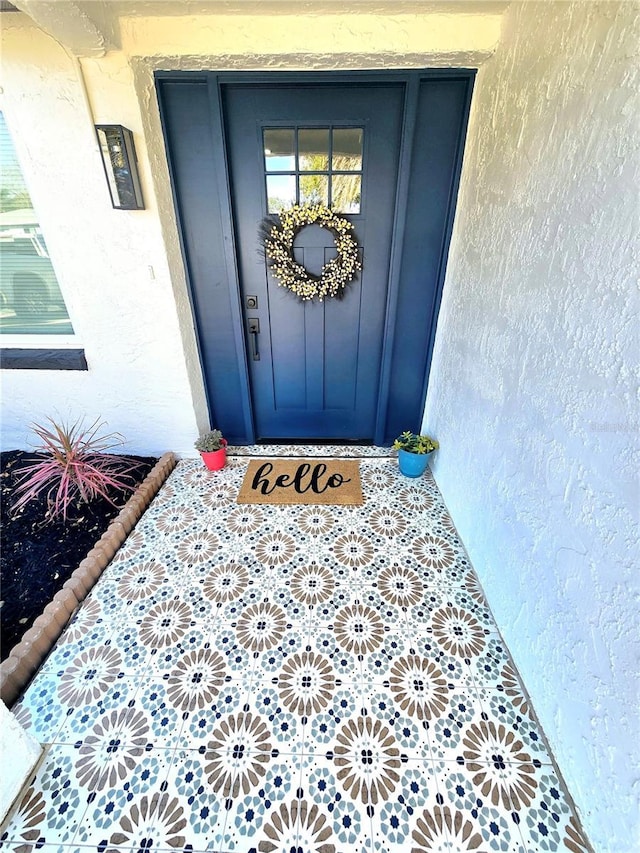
(348, 451)
(334, 442)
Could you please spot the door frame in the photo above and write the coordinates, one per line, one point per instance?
(412, 80)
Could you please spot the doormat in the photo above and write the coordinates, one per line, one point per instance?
(331, 482)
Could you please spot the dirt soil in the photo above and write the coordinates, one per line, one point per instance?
(37, 555)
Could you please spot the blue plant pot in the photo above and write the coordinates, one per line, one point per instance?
(412, 464)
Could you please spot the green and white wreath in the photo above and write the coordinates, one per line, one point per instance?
(335, 275)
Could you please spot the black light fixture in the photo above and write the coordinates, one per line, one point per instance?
(120, 166)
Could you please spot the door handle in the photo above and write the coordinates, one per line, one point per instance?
(254, 331)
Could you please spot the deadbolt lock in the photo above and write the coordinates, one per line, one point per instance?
(251, 301)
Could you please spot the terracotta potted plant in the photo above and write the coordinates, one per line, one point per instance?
(213, 449)
(414, 452)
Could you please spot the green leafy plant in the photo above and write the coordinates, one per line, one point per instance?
(75, 465)
(210, 441)
(413, 443)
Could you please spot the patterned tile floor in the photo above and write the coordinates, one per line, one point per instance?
(288, 679)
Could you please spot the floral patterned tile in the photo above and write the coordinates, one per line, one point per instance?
(238, 660)
(53, 804)
(203, 806)
(492, 665)
(501, 711)
(440, 579)
(131, 582)
(267, 656)
(346, 817)
(311, 699)
(155, 714)
(226, 583)
(415, 500)
(453, 630)
(482, 808)
(316, 522)
(398, 648)
(286, 727)
(134, 657)
(91, 623)
(71, 646)
(527, 802)
(415, 797)
(200, 721)
(548, 824)
(80, 720)
(272, 678)
(508, 683)
(465, 600)
(438, 553)
(139, 809)
(39, 711)
(275, 596)
(421, 693)
(164, 659)
(345, 662)
(265, 805)
(32, 846)
(462, 733)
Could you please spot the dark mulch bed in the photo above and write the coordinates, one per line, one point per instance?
(39, 556)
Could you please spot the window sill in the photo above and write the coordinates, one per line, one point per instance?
(15, 358)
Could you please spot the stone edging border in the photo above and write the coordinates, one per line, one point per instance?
(27, 655)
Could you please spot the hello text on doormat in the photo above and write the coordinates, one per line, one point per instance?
(331, 482)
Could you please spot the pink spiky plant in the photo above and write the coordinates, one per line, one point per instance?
(76, 465)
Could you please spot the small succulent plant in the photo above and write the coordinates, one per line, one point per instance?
(210, 441)
(413, 443)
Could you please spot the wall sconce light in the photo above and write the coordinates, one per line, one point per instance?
(120, 166)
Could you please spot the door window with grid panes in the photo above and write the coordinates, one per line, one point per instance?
(313, 165)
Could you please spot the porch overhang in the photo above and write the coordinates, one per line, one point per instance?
(360, 34)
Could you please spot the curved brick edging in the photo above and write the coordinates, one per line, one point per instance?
(27, 655)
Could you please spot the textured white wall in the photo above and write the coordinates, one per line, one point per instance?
(123, 314)
(317, 35)
(534, 383)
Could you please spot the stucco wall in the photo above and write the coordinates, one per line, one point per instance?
(111, 264)
(534, 383)
(318, 36)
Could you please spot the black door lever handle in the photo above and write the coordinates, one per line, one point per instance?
(254, 331)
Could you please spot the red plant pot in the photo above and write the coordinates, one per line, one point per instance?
(215, 459)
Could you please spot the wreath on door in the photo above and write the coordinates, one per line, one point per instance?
(336, 274)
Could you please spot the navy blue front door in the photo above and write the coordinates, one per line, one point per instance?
(385, 150)
(314, 366)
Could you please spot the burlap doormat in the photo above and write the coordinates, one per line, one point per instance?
(331, 482)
